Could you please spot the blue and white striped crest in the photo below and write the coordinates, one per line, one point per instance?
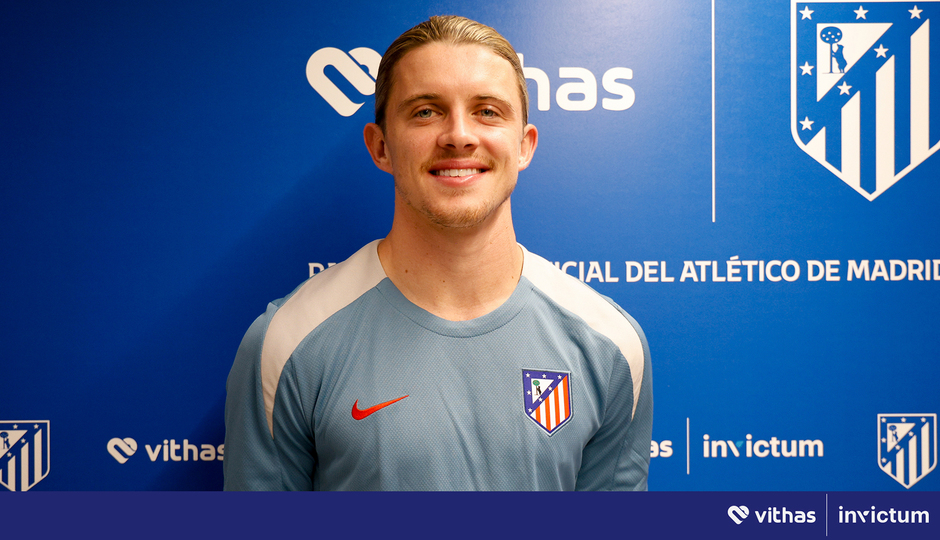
(907, 446)
(25, 458)
(861, 88)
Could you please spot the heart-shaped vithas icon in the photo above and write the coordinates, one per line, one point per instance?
(738, 513)
(122, 449)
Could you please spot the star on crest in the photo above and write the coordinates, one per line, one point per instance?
(860, 13)
(882, 52)
(807, 13)
(915, 13)
(807, 69)
(807, 123)
(844, 88)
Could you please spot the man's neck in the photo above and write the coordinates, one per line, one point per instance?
(457, 274)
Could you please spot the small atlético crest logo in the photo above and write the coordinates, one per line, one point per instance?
(861, 82)
(547, 398)
(25, 458)
(907, 446)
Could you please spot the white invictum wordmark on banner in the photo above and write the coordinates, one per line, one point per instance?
(907, 446)
(861, 87)
(24, 460)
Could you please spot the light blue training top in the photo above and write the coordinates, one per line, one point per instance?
(347, 385)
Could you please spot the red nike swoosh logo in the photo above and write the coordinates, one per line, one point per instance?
(359, 414)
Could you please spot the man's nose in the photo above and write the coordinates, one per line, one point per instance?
(458, 133)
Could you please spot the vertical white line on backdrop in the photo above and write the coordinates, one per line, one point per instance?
(713, 111)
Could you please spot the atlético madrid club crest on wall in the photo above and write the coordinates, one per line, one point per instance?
(861, 82)
(24, 460)
(547, 398)
(907, 446)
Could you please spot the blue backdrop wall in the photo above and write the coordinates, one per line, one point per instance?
(754, 187)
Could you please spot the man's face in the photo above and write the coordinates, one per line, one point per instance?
(454, 138)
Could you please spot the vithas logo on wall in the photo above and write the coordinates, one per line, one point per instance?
(907, 446)
(350, 66)
(361, 66)
(860, 88)
(25, 453)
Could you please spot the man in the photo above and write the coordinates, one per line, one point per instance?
(445, 356)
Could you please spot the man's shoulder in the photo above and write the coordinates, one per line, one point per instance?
(321, 297)
(339, 282)
(569, 291)
(599, 312)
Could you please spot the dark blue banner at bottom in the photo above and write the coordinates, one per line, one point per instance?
(162, 515)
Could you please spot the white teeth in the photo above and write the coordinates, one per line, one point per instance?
(458, 172)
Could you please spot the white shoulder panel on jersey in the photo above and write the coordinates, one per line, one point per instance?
(316, 300)
(586, 303)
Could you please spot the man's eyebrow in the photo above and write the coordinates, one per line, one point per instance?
(407, 103)
(502, 102)
(414, 99)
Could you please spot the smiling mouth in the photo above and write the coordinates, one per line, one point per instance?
(456, 172)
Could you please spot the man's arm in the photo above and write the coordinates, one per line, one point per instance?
(618, 456)
(254, 458)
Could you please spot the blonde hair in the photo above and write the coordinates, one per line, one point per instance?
(449, 29)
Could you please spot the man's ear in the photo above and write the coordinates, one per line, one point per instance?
(375, 143)
(530, 140)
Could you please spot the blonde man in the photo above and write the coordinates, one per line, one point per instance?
(444, 356)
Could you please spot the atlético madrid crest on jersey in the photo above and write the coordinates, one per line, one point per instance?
(861, 83)
(24, 460)
(907, 446)
(547, 398)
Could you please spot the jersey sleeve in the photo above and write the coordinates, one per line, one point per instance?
(258, 456)
(618, 456)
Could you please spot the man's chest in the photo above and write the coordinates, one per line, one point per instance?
(435, 412)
